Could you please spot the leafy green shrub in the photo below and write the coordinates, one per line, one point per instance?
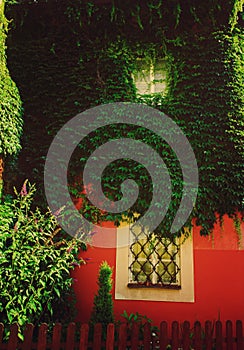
(141, 320)
(35, 263)
(103, 302)
(137, 318)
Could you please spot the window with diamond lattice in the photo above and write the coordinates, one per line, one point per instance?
(154, 260)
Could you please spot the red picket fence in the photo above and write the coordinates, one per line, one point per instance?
(177, 337)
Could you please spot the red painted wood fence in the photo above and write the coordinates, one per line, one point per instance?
(174, 337)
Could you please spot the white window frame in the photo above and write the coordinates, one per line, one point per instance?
(123, 292)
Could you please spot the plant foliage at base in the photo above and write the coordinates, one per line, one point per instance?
(35, 264)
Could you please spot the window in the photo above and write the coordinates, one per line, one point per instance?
(150, 78)
(149, 267)
(154, 261)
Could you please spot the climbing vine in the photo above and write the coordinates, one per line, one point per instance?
(10, 106)
(206, 98)
(10, 103)
(89, 58)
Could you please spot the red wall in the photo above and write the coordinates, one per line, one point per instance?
(219, 281)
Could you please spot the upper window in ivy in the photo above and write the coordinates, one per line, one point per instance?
(150, 77)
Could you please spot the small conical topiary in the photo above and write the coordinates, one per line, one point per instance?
(103, 303)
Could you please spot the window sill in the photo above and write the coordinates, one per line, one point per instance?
(148, 285)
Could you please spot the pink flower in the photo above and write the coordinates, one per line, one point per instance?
(23, 191)
(69, 250)
(57, 212)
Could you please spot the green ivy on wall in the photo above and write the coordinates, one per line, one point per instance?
(206, 98)
(10, 103)
(84, 55)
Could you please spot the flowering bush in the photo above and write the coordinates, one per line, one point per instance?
(35, 263)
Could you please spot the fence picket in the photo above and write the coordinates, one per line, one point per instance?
(229, 335)
(122, 336)
(42, 337)
(70, 340)
(197, 336)
(110, 337)
(1, 332)
(208, 335)
(134, 336)
(175, 335)
(147, 336)
(186, 336)
(163, 337)
(97, 339)
(219, 336)
(13, 338)
(84, 331)
(239, 335)
(56, 338)
(27, 343)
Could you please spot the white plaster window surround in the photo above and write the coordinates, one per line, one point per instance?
(123, 291)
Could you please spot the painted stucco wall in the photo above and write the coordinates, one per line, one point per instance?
(218, 281)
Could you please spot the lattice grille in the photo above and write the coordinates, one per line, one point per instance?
(154, 260)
